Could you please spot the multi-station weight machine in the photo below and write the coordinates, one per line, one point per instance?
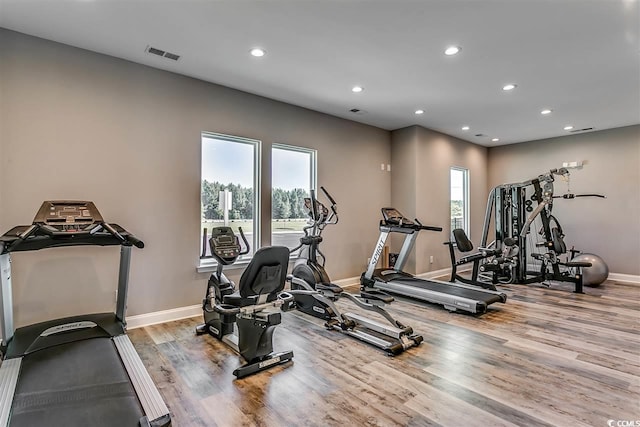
(520, 215)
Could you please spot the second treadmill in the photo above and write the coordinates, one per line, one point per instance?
(453, 296)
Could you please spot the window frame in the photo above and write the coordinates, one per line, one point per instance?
(466, 226)
(313, 178)
(208, 264)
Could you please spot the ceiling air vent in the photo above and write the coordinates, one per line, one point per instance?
(357, 111)
(160, 52)
(580, 130)
(480, 135)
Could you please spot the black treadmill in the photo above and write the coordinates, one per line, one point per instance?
(453, 296)
(81, 370)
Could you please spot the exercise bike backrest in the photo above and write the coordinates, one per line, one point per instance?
(266, 274)
(225, 245)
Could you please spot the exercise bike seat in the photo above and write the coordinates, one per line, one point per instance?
(329, 287)
(263, 279)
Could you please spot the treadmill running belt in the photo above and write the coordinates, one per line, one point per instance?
(89, 386)
(477, 295)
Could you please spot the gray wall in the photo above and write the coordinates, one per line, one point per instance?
(608, 227)
(81, 125)
(420, 162)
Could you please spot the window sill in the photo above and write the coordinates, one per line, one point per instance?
(209, 265)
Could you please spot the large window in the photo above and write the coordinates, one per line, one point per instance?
(230, 183)
(459, 185)
(293, 174)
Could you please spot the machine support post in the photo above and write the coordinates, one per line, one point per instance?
(405, 251)
(6, 304)
(123, 283)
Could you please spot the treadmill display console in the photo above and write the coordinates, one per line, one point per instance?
(393, 217)
(60, 214)
(66, 223)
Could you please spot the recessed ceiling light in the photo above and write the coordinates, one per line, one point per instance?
(509, 86)
(495, 139)
(256, 51)
(465, 127)
(418, 112)
(568, 127)
(357, 89)
(545, 111)
(452, 50)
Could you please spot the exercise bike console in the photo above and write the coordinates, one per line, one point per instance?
(225, 246)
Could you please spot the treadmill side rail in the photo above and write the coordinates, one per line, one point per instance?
(153, 405)
(8, 380)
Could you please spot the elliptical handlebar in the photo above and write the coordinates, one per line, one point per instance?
(314, 207)
(246, 243)
(333, 203)
(319, 219)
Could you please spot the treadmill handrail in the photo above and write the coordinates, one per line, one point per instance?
(37, 236)
(406, 228)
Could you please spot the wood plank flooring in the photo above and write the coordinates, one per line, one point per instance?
(546, 358)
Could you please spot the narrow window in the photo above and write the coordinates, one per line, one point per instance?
(229, 191)
(293, 175)
(459, 186)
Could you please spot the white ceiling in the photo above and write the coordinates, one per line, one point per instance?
(580, 58)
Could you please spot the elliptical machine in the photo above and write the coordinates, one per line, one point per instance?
(314, 294)
(245, 319)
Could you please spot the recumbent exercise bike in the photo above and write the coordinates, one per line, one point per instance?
(245, 319)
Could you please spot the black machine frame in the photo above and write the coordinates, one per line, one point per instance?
(512, 208)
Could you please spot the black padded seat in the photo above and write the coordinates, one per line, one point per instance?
(265, 275)
(462, 241)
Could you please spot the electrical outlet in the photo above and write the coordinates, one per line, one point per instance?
(381, 166)
(431, 259)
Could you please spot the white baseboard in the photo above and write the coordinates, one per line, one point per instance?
(627, 278)
(349, 281)
(163, 316)
(438, 273)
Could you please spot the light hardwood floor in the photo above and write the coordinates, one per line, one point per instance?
(546, 358)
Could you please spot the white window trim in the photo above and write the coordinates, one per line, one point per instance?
(209, 264)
